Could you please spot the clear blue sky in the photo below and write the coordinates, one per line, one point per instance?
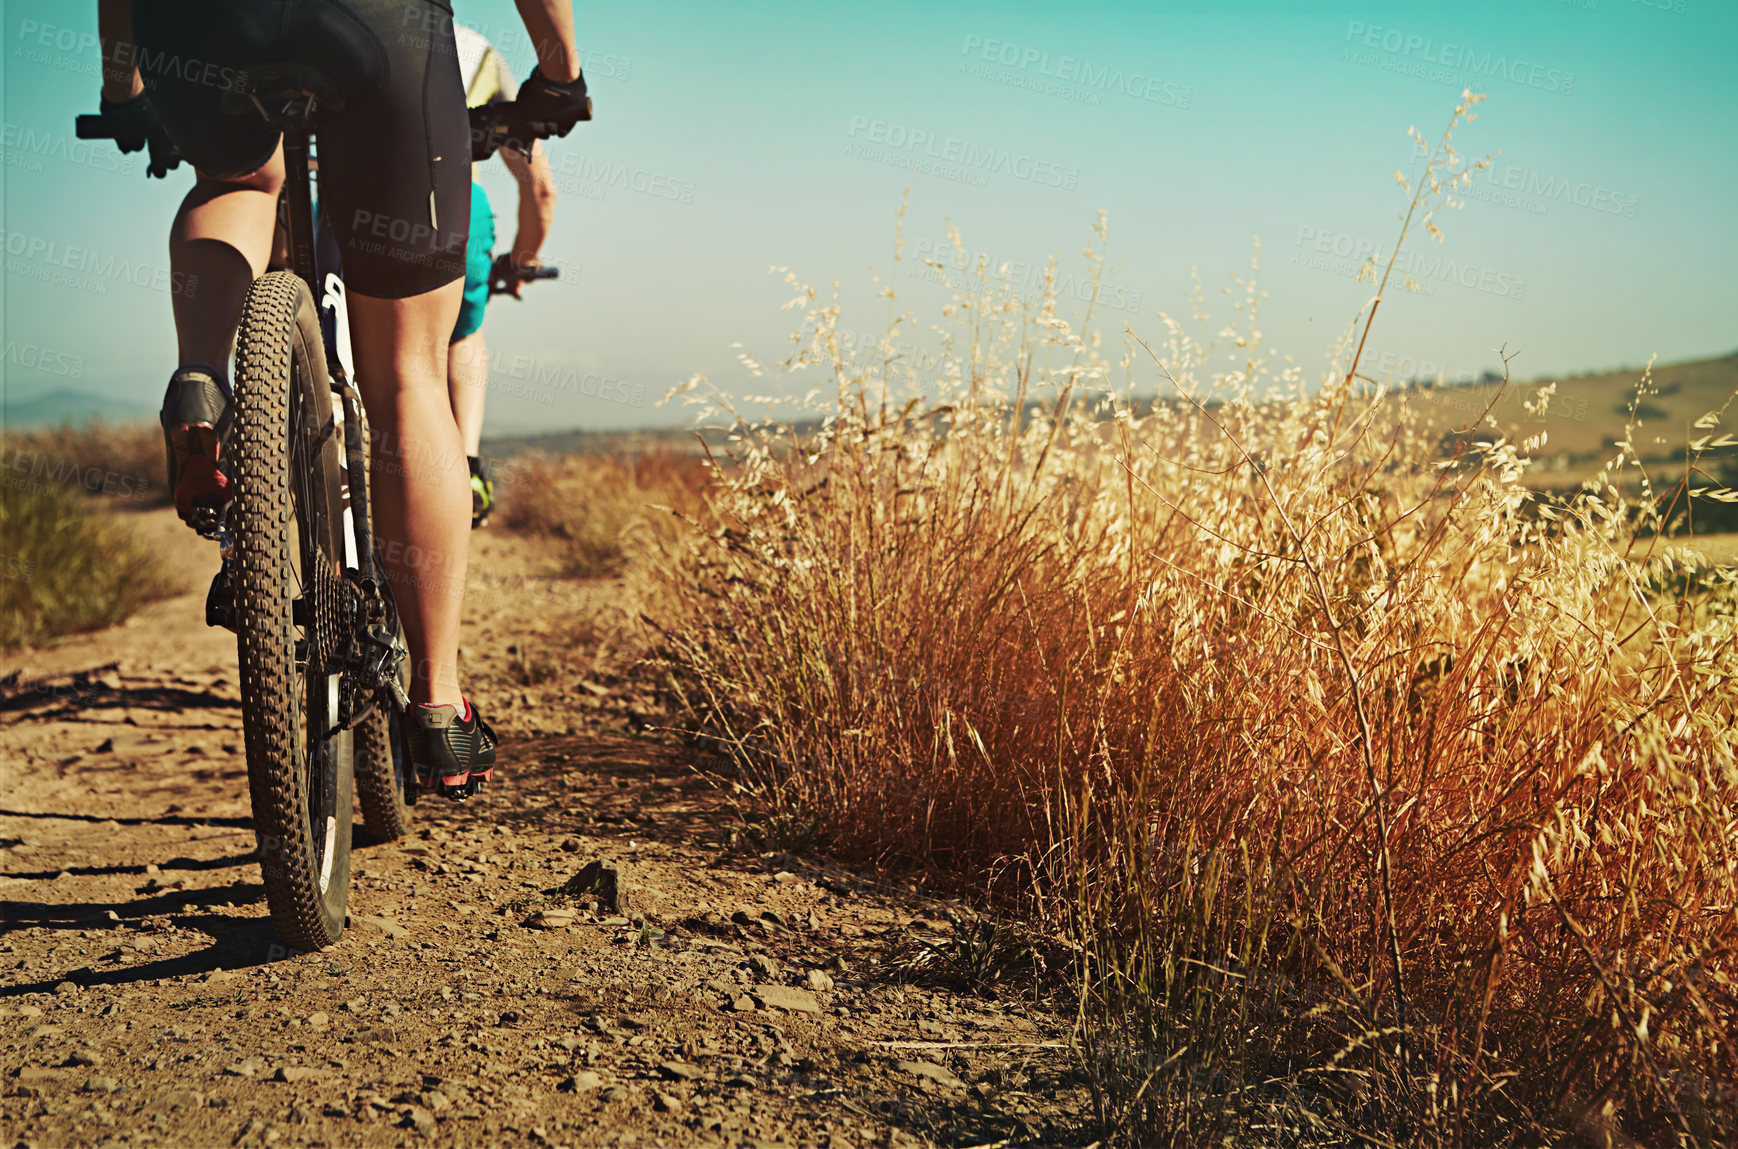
(731, 137)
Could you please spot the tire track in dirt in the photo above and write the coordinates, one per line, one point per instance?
(478, 996)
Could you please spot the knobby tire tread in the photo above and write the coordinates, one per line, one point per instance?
(267, 339)
(379, 791)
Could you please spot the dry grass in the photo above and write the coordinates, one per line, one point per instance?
(605, 509)
(1372, 805)
(123, 462)
(67, 565)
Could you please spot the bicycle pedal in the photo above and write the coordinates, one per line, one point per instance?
(220, 601)
(461, 791)
(203, 487)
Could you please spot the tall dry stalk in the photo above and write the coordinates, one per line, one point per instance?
(1176, 678)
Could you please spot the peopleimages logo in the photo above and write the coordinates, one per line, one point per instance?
(1338, 253)
(1423, 56)
(1536, 188)
(69, 265)
(27, 148)
(1066, 71)
(960, 154)
(34, 357)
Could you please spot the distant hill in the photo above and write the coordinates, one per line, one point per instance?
(681, 440)
(76, 408)
(1585, 418)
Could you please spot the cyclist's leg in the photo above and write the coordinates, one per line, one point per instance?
(419, 483)
(222, 234)
(468, 385)
(219, 244)
(395, 175)
(468, 360)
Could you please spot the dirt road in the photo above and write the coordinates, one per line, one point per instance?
(727, 998)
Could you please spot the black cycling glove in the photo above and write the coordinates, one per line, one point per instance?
(546, 108)
(135, 122)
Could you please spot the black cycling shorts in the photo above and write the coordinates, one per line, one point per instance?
(394, 145)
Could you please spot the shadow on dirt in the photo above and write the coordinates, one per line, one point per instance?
(65, 700)
(235, 942)
(165, 820)
(107, 871)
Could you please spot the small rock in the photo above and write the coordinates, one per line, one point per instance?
(246, 1067)
(741, 1081)
(930, 1070)
(607, 880)
(743, 1004)
(29, 1011)
(784, 876)
(390, 928)
(572, 845)
(581, 1082)
(418, 1118)
(435, 1101)
(552, 919)
(34, 1073)
(769, 967)
(102, 1085)
(66, 988)
(665, 1102)
(680, 1071)
(295, 1074)
(820, 981)
(318, 1019)
(106, 747)
(354, 1005)
(86, 1057)
(786, 998)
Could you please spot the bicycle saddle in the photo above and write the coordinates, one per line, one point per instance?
(277, 88)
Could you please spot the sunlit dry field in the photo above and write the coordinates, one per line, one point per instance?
(1362, 798)
(1351, 793)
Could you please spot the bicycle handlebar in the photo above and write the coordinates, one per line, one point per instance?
(493, 126)
(164, 157)
(504, 274)
(497, 126)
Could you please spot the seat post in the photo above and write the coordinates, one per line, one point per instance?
(301, 206)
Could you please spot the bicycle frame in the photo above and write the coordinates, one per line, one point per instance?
(330, 297)
(380, 662)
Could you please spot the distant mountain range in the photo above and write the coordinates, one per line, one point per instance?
(1583, 417)
(75, 407)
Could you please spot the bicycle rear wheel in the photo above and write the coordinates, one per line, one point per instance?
(383, 768)
(288, 526)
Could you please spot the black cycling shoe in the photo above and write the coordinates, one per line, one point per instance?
(195, 418)
(452, 753)
(482, 491)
